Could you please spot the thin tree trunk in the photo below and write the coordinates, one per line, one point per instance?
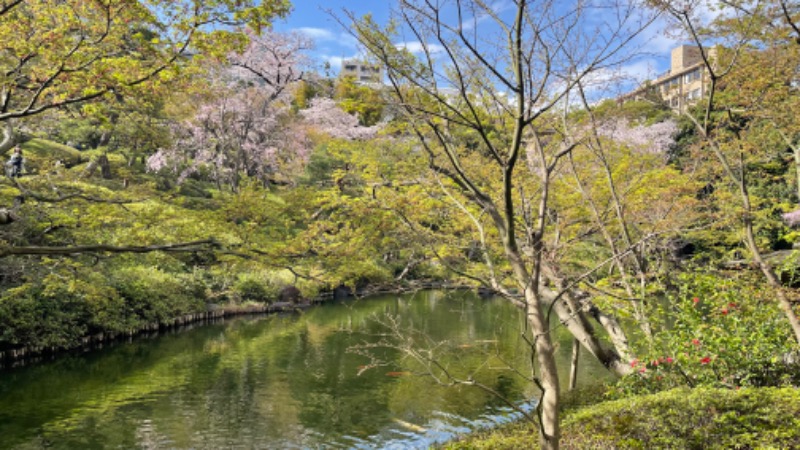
(573, 366)
(796, 153)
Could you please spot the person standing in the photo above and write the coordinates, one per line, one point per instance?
(15, 163)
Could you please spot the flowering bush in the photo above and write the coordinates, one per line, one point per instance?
(715, 331)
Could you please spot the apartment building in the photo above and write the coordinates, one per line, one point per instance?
(683, 84)
(361, 71)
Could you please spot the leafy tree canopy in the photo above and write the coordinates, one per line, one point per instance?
(60, 53)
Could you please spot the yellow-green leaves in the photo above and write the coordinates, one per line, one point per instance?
(58, 53)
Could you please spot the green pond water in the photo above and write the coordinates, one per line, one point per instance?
(285, 381)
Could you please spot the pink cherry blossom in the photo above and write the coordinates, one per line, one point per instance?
(655, 138)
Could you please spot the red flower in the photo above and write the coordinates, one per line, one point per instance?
(634, 362)
(705, 360)
(642, 370)
(696, 300)
(669, 360)
(732, 305)
(724, 311)
(695, 341)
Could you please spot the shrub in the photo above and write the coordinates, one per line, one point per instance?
(682, 418)
(55, 312)
(152, 295)
(249, 288)
(721, 332)
(703, 418)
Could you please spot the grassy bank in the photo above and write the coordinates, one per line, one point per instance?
(702, 418)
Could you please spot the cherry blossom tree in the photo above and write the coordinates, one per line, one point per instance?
(273, 61)
(327, 117)
(655, 138)
(238, 134)
(246, 129)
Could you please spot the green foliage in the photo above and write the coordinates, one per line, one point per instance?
(41, 155)
(56, 311)
(691, 419)
(703, 418)
(636, 111)
(510, 437)
(44, 148)
(320, 166)
(306, 90)
(152, 295)
(75, 301)
(359, 99)
(132, 50)
(716, 331)
(30, 318)
(256, 287)
(193, 188)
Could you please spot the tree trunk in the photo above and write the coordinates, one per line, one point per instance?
(796, 152)
(573, 366)
(105, 167)
(105, 138)
(89, 170)
(9, 137)
(550, 430)
(575, 322)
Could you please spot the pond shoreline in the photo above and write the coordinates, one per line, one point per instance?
(22, 356)
(256, 380)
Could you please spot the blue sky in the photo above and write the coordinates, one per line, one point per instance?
(332, 41)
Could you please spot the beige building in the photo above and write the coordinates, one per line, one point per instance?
(683, 85)
(361, 71)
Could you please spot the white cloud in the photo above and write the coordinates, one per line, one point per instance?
(612, 82)
(417, 47)
(325, 35)
(335, 62)
(640, 71)
(318, 34)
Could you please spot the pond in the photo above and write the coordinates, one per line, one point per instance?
(335, 376)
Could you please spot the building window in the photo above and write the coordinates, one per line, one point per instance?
(691, 76)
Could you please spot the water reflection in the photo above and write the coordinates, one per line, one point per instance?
(279, 382)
